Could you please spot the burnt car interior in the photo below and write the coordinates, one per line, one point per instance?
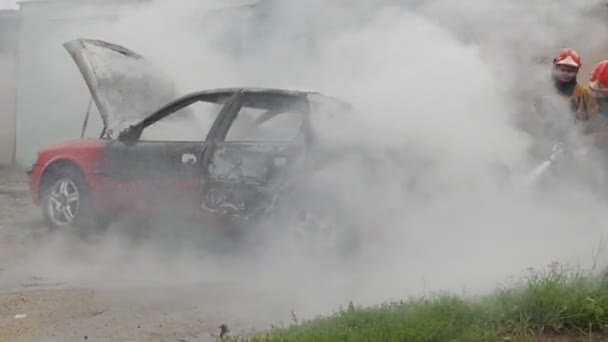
(240, 136)
(255, 150)
(261, 137)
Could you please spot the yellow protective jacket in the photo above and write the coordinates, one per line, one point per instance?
(540, 124)
(578, 99)
(575, 96)
(581, 103)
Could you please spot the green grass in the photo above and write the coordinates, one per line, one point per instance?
(553, 301)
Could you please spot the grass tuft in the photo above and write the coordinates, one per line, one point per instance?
(549, 302)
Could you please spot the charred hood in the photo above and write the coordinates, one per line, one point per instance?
(124, 85)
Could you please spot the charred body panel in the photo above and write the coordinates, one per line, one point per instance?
(244, 178)
(254, 163)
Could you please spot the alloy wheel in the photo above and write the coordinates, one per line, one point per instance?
(63, 202)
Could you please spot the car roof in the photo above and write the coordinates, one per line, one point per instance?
(261, 90)
(269, 91)
(228, 91)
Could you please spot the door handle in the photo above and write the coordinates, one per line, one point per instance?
(189, 158)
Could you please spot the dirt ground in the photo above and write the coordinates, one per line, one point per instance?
(40, 303)
(56, 286)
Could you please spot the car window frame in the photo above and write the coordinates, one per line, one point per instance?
(228, 96)
(241, 102)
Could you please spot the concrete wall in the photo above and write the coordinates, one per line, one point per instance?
(8, 84)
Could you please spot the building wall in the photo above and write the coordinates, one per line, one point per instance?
(53, 97)
(8, 84)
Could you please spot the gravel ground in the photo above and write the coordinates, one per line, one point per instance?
(57, 288)
(170, 285)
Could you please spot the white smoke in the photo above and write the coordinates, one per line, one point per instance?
(436, 82)
(8, 4)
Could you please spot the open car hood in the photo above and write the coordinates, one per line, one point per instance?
(124, 85)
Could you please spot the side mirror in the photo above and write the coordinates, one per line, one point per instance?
(130, 135)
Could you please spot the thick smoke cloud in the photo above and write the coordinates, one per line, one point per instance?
(437, 87)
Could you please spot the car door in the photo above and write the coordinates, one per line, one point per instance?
(153, 175)
(252, 152)
(160, 171)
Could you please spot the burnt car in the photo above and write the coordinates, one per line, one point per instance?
(229, 154)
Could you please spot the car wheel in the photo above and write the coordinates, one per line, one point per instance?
(66, 201)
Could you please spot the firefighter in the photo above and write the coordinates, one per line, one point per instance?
(546, 123)
(564, 73)
(598, 88)
(598, 91)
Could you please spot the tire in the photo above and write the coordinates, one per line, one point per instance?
(65, 200)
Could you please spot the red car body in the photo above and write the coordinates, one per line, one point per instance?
(85, 154)
(111, 196)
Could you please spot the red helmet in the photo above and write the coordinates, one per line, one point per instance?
(598, 82)
(569, 57)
